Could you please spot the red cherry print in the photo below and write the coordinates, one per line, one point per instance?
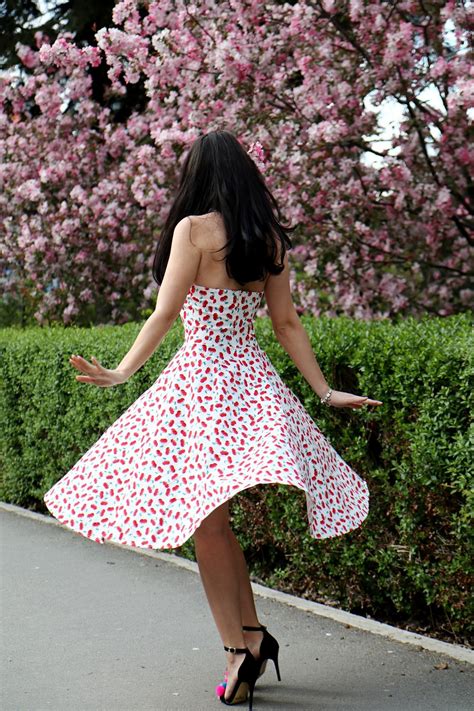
(217, 420)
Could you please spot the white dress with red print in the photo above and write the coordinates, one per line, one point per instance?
(217, 420)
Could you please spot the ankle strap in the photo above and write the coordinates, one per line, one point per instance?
(253, 629)
(236, 650)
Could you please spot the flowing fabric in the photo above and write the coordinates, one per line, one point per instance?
(216, 421)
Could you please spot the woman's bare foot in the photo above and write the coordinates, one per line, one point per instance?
(233, 663)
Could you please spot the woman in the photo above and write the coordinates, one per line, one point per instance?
(218, 419)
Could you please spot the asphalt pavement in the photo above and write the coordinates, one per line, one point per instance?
(91, 627)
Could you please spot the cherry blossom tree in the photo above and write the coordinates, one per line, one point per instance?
(384, 227)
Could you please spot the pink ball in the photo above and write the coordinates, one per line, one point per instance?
(220, 690)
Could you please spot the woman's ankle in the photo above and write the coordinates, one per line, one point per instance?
(253, 640)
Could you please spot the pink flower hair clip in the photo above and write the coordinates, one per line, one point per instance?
(257, 153)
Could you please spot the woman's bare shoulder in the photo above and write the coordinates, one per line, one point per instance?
(208, 220)
(208, 230)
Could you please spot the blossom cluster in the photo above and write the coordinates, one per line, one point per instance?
(384, 226)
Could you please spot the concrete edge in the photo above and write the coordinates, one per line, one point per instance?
(455, 651)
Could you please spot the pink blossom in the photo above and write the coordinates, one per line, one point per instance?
(256, 151)
(86, 295)
(83, 198)
(444, 200)
(30, 190)
(27, 55)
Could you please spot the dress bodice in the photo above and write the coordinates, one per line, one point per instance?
(220, 316)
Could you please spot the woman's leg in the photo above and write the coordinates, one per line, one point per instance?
(247, 602)
(219, 574)
(253, 639)
(220, 578)
(226, 581)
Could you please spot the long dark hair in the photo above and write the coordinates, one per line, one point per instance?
(218, 175)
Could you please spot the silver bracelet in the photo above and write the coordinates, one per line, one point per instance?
(325, 399)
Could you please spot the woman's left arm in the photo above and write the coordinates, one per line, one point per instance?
(181, 270)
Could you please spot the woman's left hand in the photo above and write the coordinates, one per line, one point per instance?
(95, 373)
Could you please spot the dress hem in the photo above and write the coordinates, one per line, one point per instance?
(154, 545)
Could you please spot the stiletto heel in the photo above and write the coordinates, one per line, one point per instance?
(275, 661)
(269, 648)
(247, 675)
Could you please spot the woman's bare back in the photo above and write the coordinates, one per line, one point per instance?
(208, 234)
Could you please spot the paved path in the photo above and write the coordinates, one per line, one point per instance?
(90, 627)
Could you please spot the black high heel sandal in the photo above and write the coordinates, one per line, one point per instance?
(268, 649)
(247, 675)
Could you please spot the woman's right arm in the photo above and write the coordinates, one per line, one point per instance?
(181, 270)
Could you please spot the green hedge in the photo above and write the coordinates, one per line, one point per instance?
(410, 561)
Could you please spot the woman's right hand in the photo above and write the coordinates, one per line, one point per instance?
(95, 373)
(342, 399)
